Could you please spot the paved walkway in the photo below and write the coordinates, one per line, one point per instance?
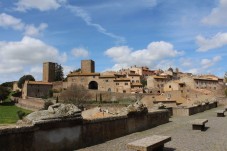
(183, 137)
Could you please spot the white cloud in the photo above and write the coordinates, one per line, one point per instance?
(206, 63)
(31, 30)
(117, 67)
(217, 15)
(23, 55)
(186, 62)
(217, 41)
(149, 56)
(8, 21)
(80, 52)
(193, 71)
(78, 11)
(67, 69)
(42, 5)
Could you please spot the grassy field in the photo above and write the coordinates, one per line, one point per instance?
(8, 113)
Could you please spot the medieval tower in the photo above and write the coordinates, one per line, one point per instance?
(48, 71)
(87, 66)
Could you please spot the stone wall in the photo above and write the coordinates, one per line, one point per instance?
(73, 134)
(187, 111)
(33, 104)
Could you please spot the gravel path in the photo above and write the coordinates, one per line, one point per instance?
(183, 137)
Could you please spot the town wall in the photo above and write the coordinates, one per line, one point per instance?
(73, 134)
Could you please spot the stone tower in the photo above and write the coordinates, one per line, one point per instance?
(87, 66)
(48, 71)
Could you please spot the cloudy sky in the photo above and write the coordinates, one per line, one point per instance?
(188, 34)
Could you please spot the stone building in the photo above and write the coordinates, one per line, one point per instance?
(155, 84)
(87, 66)
(176, 85)
(112, 82)
(142, 71)
(49, 71)
(37, 89)
(208, 82)
(15, 86)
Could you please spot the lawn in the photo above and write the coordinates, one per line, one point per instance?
(8, 113)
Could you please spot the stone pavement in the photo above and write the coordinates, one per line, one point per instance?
(214, 138)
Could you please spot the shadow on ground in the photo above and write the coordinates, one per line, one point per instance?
(168, 149)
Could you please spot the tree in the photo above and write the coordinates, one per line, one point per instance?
(4, 92)
(77, 70)
(59, 75)
(7, 84)
(76, 95)
(225, 77)
(24, 78)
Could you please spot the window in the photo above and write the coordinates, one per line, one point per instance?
(137, 81)
(133, 81)
(124, 91)
(126, 83)
(106, 80)
(117, 83)
(93, 76)
(214, 88)
(109, 89)
(169, 86)
(181, 91)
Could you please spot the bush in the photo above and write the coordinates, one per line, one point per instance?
(20, 114)
(50, 93)
(4, 93)
(47, 104)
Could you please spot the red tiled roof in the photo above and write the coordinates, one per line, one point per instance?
(82, 74)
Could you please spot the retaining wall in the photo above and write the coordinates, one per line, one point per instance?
(71, 134)
(187, 111)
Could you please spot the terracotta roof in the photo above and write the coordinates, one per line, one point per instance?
(206, 79)
(136, 84)
(107, 76)
(122, 79)
(159, 77)
(133, 74)
(39, 83)
(82, 74)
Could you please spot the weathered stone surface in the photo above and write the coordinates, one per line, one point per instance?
(149, 143)
(137, 107)
(54, 112)
(159, 106)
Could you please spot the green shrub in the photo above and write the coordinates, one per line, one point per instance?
(20, 114)
(47, 104)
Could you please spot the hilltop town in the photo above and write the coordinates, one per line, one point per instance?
(87, 108)
(170, 87)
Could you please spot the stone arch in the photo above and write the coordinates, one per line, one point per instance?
(93, 85)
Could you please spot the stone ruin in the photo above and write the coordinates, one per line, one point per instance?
(135, 109)
(54, 112)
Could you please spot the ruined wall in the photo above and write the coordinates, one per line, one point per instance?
(73, 134)
(187, 111)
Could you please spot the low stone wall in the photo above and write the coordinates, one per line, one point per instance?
(187, 111)
(77, 133)
(33, 104)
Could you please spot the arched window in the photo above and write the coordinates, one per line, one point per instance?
(93, 85)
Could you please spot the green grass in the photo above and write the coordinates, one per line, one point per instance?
(8, 113)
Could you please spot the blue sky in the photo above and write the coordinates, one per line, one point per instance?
(188, 34)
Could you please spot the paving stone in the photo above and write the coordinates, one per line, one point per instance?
(214, 138)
